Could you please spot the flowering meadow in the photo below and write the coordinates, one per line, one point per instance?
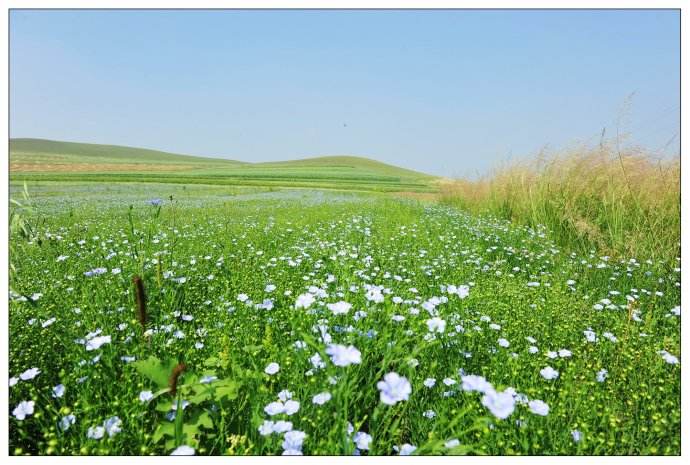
(304, 322)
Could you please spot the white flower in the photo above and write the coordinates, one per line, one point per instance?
(461, 291)
(97, 342)
(31, 373)
(451, 443)
(13, 380)
(284, 395)
(564, 353)
(266, 427)
(322, 398)
(183, 450)
(500, 404)
(270, 288)
(95, 272)
(343, 356)
(436, 325)
(503, 342)
(59, 391)
(316, 361)
(282, 426)
(476, 383)
(48, 322)
(207, 379)
(274, 408)
(66, 422)
(339, 308)
(23, 409)
(362, 440)
(407, 449)
(539, 407)
(429, 414)
(548, 373)
(590, 335)
(304, 301)
(602, 375)
(145, 396)
(291, 407)
(95, 432)
(429, 382)
(533, 349)
(373, 294)
(293, 440)
(668, 358)
(272, 368)
(112, 426)
(577, 435)
(394, 388)
(449, 381)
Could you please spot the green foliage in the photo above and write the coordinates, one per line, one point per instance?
(208, 257)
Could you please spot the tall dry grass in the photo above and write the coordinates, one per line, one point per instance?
(621, 202)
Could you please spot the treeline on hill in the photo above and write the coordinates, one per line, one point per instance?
(625, 202)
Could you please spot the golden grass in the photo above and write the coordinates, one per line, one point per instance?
(623, 202)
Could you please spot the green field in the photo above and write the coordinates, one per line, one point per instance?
(323, 322)
(44, 160)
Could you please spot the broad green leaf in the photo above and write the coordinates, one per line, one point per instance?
(227, 389)
(164, 429)
(155, 370)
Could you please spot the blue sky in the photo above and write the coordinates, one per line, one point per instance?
(445, 92)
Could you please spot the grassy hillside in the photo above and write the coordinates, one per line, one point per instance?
(37, 159)
(42, 150)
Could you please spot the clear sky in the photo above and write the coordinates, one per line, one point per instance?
(444, 92)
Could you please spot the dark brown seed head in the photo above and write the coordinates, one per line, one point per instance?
(172, 382)
(141, 300)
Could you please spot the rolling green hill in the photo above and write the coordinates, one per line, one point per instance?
(51, 151)
(40, 159)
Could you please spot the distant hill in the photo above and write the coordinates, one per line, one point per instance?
(27, 150)
(56, 160)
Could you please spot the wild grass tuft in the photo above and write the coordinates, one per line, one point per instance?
(623, 202)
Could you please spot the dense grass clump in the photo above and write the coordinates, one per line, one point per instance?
(623, 202)
(321, 323)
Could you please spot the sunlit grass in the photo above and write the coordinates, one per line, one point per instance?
(623, 202)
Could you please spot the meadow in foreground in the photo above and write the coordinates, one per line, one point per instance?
(331, 324)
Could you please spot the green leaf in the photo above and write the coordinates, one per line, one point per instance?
(201, 394)
(227, 389)
(164, 429)
(252, 349)
(155, 370)
(204, 420)
(164, 406)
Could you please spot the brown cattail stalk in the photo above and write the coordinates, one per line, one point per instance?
(141, 300)
(172, 382)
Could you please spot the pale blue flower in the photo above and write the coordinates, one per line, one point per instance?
(394, 388)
